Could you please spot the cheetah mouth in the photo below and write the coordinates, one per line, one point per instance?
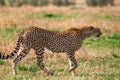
(98, 35)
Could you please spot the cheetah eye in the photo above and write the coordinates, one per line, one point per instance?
(91, 27)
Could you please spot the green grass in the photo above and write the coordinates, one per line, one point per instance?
(108, 42)
(2, 62)
(31, 68)
(9, 33)
(22, 68)
(52, 16)
(106, 17)
(34, 68)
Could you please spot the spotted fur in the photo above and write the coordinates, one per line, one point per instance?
(38, 39)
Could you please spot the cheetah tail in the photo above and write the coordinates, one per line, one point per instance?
(14, 52)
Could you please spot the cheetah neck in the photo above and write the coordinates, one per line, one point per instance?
(82, 36)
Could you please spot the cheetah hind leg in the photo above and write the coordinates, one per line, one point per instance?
(40, 56)
(73, 63)
(72, 69)
(14, 68)
(22, 54)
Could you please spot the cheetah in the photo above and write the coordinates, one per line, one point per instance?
(39, 39)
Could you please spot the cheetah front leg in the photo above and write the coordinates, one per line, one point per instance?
(72, 62)
(22, 54)
(40, 56)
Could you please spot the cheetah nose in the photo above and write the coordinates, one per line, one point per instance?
(98, 35)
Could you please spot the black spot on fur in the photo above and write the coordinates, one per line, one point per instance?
(0, 56)
(7, 56)
(12, 54)
(3, 57)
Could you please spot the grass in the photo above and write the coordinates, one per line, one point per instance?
(98, 58)
(104, 67)
(31, 68)
(95, 68)
(107, 42)
(9, 33)
(2, 62)
(106, 17)
(48, 15)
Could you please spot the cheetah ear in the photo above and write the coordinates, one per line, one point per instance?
(90, 27)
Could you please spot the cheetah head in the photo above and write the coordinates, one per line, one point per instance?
(92, 31)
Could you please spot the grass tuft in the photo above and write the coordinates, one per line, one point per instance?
(33, 68)
(22, 68)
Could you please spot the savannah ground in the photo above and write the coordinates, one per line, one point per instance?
(98, 59)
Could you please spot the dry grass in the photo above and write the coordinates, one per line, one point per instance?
(94, 61)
